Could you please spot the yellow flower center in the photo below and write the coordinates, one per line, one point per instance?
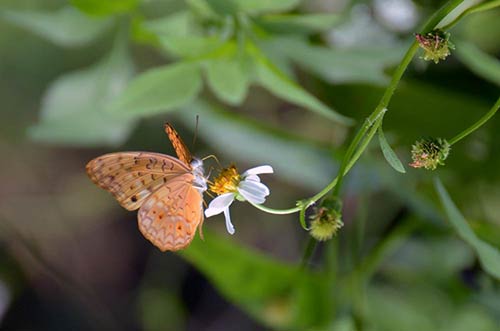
(227, 181)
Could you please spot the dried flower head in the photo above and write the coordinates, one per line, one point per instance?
(428, 153)
(436, 45)
(327, 219)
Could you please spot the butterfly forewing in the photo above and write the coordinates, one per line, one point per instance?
(170, 216)
(180, 148)
(133, 176)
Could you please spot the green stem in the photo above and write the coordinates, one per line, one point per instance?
(435, 19)
(362, 146)
(474, 9)
(347, 161)
(308, 252)
(476, 125)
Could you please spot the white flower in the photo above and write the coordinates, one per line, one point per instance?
(230, 185)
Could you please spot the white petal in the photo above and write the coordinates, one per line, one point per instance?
(254, 187)
(229, 225)
(255, 199)
(265, 169)
(218, 204)
(254, 192)
(253, 178)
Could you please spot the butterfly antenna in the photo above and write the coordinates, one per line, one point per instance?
(212, 156)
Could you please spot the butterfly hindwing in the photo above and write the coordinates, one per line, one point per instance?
(169, 218)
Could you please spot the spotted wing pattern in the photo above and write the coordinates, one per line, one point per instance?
(180, 148)
(133, 176)
(170, 216)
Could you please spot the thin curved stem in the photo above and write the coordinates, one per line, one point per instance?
(349, 161)
(476, 125)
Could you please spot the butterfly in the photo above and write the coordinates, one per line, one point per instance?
(168, 191)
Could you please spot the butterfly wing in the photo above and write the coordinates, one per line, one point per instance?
(170, 216)
(133, 176)
(180, 148)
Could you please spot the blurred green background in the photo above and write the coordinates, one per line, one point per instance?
(281, 82)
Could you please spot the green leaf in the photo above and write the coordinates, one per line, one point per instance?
(177, 24)
(201, 8)
(229, 75)
(489, 257)
(108, 7)
(66, 27)
(294, 23)
(274, 80)
(180, 36)
(73, 106)
(338, 65)
(275, 293)
(479, 62)
(160, 89)
(388, 152)
(82, 129)
(190, 46)
(231, 7)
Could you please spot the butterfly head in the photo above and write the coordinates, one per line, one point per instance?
(200, 181)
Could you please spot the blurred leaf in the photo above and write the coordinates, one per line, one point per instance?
(292, 159)
(161, 310)
(470, 317)
(416, 259)
(480, 63)
(339, 65)
(230, 7)
(487, 254)
(82, 130)
(393, 310)
(201, 8)
(66, 27)
(140, 34)
(401, 308)
(159, 90)
(293, 23)
(472, 28)
(229, 75)
(179, 35)
(73, 106)
(389, 154)
(273, 79)
(190, 46)
(108, 7)
(177, 24)
(273, 292)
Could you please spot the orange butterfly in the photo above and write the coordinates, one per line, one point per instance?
(167, 191)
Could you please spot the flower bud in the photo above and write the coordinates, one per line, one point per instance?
(326, 220)
(429, 153)
(436, 45)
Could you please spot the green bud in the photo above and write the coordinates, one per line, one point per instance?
(326, 220)
(436, 45)
(428, 153)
